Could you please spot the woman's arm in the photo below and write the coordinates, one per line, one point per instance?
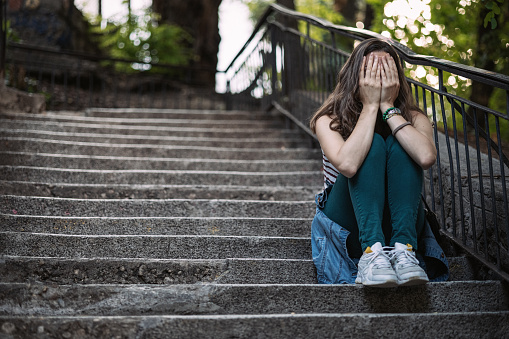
(416, 139)
(348, 156)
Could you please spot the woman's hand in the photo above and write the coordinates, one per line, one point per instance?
(370, 82)
(390, 83)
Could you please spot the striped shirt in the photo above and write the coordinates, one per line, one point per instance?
(330, 173)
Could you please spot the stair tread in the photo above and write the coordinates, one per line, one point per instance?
(456, 296)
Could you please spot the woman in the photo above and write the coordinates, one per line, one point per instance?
(376, 143)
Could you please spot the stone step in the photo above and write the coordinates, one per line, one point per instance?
(155, 207)
(191, 114)
(76, 161)
(281, 142)
(204, 132)
(38, 145)
(134, 225)
(18, 299)
(110, 191)
(159, 177)
(153, 246)
(170, 122)
(472, 325)
(171, 271)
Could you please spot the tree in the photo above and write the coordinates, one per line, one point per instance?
(425, 27)
(200, 19)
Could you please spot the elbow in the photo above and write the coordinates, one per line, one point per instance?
(347, 169)
(428, 160)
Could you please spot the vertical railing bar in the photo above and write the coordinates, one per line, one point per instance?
(115, 89)
(52, 91)
(416, 94)
(430, 171)
(481, 186)
(492, 187)
(66, 94)
(163, 102)
(90, 88)
(458, 168)
(469, 177)
(103, 96)
(78, 83)
(315, 74)
(321, 75)
(438, 163)
(152, 89)
(449, 153)
(502, 176)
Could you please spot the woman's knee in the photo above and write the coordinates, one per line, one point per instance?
(377, 152)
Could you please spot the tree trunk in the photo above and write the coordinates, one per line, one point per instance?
(199, 18)
(487, 49)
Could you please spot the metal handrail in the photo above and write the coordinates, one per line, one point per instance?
(474, 73)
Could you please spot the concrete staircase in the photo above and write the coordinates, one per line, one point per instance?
(190, 224)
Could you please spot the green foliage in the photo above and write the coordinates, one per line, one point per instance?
(10, 33)
(494, 10)
(319, 8)
(142, 39)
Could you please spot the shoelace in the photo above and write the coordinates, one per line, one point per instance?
(403, 257)
(381, 259)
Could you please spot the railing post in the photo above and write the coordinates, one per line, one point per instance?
(273, 62)
(229, 103)
(3, 41)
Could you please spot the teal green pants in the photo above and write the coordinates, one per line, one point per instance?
(382, 201)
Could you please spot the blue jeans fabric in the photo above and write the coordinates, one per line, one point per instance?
(357, 212)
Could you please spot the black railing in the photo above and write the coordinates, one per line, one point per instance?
(290, 63)
(74, 80)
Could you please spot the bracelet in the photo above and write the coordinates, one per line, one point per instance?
(396, 130)
(390, 112)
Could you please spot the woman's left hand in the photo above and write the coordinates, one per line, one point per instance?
(390, 83)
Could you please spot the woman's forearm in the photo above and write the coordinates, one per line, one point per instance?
(351, 155)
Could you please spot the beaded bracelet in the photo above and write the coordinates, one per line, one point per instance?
(390, 112)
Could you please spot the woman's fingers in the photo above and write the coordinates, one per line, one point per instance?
(362, 71)
(374, 66)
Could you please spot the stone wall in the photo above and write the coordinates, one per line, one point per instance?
(472, 194)
(50, 23)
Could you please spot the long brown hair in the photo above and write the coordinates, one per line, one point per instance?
(344, 105)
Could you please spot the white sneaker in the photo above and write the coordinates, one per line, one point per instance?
(375, 268)
(406, 266)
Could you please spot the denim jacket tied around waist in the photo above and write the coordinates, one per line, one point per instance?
(333, 264)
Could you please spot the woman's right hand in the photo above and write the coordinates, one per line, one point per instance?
(370, 85)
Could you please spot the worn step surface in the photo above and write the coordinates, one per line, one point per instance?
(132, 225)
(20, 144)
(158, 177)
(420, 325)
(151, 191)
(84, 161)
(45, 206)
(111, 299)
(173, 271)
(150, 139)
(239, 122)
(153, 246)
(187, 131)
